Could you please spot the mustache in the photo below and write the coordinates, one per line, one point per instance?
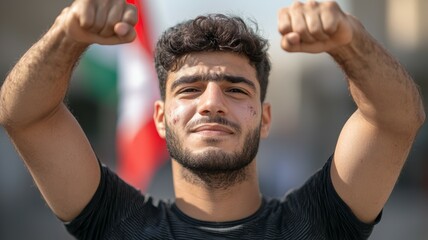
(217, 119)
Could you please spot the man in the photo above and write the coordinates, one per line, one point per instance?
(213, 74)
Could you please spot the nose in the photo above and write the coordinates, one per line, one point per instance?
(212, 101)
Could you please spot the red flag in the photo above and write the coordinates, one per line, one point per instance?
(140, 149)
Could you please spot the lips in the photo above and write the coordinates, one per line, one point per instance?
(212, 128)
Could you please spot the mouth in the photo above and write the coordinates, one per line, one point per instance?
(212, 129)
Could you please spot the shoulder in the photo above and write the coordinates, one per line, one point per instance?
(316, 207)
(126, 197)
(115, 207)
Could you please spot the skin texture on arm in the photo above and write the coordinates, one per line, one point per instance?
(375, 141)
(44, 132)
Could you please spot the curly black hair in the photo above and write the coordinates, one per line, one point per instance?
(213, 32)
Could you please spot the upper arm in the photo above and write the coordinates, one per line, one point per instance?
(366, 165)
(60, 160)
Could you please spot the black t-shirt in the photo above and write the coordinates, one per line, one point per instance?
(314, 211)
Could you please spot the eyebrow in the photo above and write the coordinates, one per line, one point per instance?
(212, 78)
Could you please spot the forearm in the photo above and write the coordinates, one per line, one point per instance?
(37, 84)
(384, 92)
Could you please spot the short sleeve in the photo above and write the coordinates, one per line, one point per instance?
(318, 202)
(112, 202)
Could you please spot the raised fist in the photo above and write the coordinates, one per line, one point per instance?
(314, 27)
(104, 22)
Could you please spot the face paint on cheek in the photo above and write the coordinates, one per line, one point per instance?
(252, 111)
(174, 117)
(175, 112)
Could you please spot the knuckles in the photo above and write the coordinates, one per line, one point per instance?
(319, 7)
(312, 4)
(95, 21)
(331, 6)
(288, 18)
(313, 26)
(296, 5)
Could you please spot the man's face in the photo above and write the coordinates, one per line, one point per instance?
(212, 116)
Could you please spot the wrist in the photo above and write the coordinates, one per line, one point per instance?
(354, 57)
(359, 46)
(63, 42)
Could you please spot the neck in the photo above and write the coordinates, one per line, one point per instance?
(204, 201)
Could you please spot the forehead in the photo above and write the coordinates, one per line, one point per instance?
(214, 63)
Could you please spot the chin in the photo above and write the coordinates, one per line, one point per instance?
(211, 150)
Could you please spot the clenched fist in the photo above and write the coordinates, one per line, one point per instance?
(314, 27)
(104, 22)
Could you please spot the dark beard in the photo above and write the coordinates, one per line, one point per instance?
(214, 168)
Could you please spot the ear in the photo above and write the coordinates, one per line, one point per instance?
(159, 117)
(266, 120)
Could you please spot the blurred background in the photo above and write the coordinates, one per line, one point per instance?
(308, 93)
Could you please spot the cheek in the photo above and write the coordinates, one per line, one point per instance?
(175, 117)
(252, 112)
(176, 113)
(249, 113)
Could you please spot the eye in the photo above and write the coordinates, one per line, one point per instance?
(237, 90)
(188, 90)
